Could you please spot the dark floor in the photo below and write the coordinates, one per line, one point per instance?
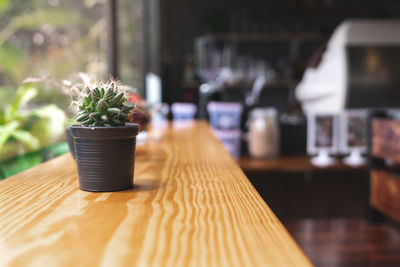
(324, 194)
(324, 212)
(346, 242)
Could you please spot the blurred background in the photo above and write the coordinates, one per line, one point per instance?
(52, 41)
(254, 53)
(269, 64)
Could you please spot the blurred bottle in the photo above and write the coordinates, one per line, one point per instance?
(263, 133)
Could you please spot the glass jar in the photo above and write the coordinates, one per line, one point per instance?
(263, 133)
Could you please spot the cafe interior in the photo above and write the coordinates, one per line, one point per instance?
(267, 133)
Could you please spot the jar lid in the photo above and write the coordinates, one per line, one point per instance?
(183, 107)
(225, 106)
(264, 112)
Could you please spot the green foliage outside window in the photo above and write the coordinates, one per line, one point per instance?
(57, 39)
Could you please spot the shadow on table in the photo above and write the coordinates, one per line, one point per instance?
(147, 185)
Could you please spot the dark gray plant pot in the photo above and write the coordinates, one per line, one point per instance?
(70, 141)
(105, 156)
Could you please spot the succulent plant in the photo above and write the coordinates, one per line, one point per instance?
(103, 105)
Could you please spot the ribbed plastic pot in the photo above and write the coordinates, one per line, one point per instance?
(70, 141)
(105, 156)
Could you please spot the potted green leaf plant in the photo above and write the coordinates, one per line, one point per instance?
(104, 142)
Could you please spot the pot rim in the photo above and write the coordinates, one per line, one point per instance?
(129, 130)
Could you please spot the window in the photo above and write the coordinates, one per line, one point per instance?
(57, 38)
(131, 42)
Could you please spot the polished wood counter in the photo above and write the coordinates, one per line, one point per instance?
(297, 163)
(191, 206)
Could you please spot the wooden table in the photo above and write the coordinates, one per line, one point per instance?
(297, 163)
(192, 206)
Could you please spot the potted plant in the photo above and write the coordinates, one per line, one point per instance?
(104, 143)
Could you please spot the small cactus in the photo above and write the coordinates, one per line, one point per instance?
(103, 105)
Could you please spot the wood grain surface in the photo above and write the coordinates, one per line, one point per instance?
(297, 163)
(385, 139)
(385, 193)
(347, 242)
(191, 206)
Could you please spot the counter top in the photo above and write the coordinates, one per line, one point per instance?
(296, 163)
(191, 206)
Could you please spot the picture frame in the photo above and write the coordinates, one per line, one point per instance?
(394, 113)
(353, 131)
(322, 133)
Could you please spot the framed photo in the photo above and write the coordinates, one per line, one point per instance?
(322, 133)
(353, 131)
(394, 113)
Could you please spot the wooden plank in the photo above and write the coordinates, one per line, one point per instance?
(385, 193)
(347, 241)
(298, 163)
(192, 206)
(385, 139)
